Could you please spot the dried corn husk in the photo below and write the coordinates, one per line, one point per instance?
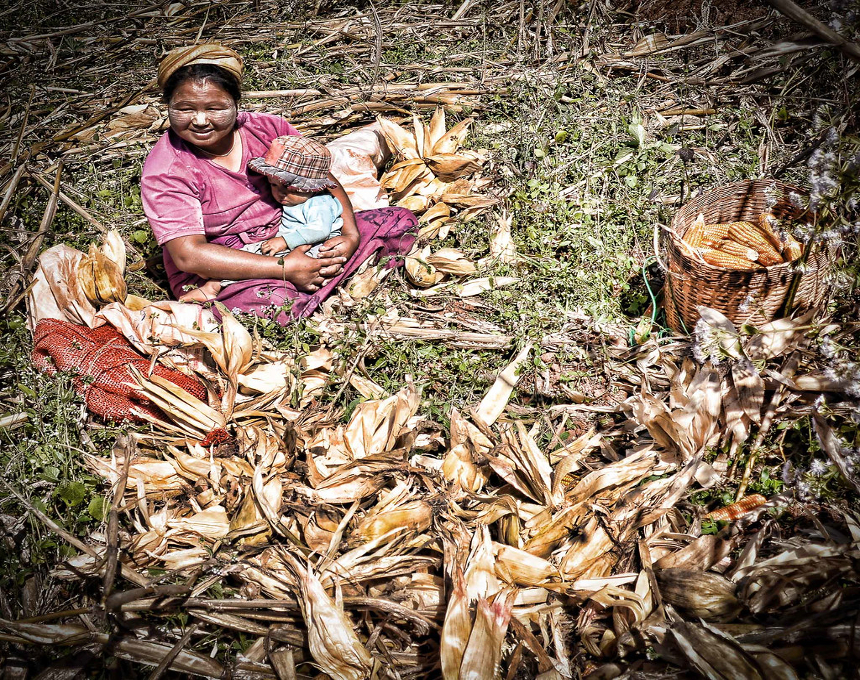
(266, 378)
(496, 399)
(136, 303)
(438, 228)
(100, 278)
(481, 580)
(394, 513)
(114, 249)
(502, 247)
(456, 629)
(437, 211)
(519, 567)
(184, 409)
(459, 464)
(450, 166)
(435, 188)
(436, 129)
(749, 387)
(364, 283)
(420, 271)
(704, 595)
(483, 654)
(331, 638)
(375, 425)
(416, 203)
(714, 654)
(414, 516)
(451, 261)
(482, 285)
(453, 139)
(429, 162)
(211, 523)
(399, 140)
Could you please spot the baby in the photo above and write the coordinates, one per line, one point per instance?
(297, 169)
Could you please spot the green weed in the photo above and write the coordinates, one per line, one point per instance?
(43, 460)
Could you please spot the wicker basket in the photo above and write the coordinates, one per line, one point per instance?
(752, 296)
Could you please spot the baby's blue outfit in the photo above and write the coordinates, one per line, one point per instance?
(313, 222)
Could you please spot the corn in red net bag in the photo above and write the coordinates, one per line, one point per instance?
(99, 358)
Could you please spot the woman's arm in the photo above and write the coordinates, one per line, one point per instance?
(347, 243)
(195, 255)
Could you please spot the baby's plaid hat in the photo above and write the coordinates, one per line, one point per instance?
(300, 162)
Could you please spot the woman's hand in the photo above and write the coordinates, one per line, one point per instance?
(193, 254)
(309, 274)
(340, 246)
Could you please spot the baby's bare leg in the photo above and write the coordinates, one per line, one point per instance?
(208, 291)
(273, 246)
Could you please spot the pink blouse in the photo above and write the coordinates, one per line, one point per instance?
(185, 193)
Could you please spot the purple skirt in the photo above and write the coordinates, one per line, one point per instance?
(383, 232)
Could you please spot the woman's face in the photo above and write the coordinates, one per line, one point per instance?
(202, 113)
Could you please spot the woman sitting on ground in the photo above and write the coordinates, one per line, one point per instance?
(204, 204)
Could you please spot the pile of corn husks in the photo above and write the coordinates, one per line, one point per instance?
(387, 546)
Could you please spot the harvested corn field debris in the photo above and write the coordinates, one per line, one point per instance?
(494, 462)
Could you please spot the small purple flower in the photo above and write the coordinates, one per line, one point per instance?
(817, 468)
(771, 194)
(829, 236)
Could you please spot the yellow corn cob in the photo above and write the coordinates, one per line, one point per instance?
(696, 232)
(718, 258)
(793, 249)
(726, 245)
(706, 236)
(735, 510)
(701, 235)
(765, 220)
(714, 233)
(748, 234)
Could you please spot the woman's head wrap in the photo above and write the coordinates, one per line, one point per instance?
(207, 53)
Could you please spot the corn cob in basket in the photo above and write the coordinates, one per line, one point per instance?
(742, 245)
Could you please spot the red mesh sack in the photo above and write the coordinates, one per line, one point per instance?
(100, 358)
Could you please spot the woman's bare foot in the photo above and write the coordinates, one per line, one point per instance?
(274, 246)
(208, 291)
